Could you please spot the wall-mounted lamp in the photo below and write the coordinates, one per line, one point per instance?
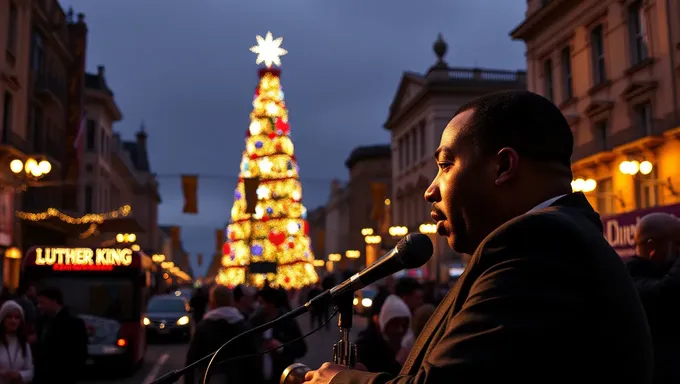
(126, 237)
(583, 185)
(158, 258)
(319, 263)
(373, 239)
(367, 231)
(334, 257)
(632, 167)
(398, 231)
(352, 254)
(428, 228)
(388, 202)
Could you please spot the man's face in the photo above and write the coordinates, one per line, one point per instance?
(414, 300)
(46, 306)
(396, 329)
(462, 192)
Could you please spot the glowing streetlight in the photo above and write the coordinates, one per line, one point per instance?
(428, 228)
(398, 231)
(583, 185)
(352, 254)
(31, 168)
(126, 237)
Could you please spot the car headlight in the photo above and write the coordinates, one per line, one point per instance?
(184, 320)
(146, 321)
(356, 301)
(366, 302)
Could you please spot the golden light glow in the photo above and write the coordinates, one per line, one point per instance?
(126, 237)
(373, 239)
(13, 253)
(631, 167)
(93, 219)
(352, 254)
(398, 231)
(268, 50)
(158, 258)
(388, 202)
(135, 247)
(428, 228)
(367, 231)
(319, 263)
(16, 166)
(583, 185)
(334, 257)
(646, 167)
(277, 232)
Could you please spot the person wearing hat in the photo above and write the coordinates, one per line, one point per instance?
(16, 364)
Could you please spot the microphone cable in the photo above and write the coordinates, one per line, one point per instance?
(207, 369)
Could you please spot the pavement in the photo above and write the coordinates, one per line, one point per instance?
(163, 358)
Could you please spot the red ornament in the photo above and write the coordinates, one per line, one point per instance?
(282, 126)
(226, 249)
(278, 147)
(264, 219)
(253, 156)
(291, 245)
(305, 227)
(293, 157)
(277, 238)
(257, 92)
(247, 132)
(271, 135)
(232, 236)
(286, 279)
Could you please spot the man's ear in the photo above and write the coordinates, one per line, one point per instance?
(507, 163)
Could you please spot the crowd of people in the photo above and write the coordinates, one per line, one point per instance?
(41, 342)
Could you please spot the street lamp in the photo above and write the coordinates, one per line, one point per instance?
(583, 185)
(632, 167)
(367, 231)
(428, 228)
(334, 257)
(352, 254)
(398, 231)
(158, 258)
(372, 239)
(32, 168)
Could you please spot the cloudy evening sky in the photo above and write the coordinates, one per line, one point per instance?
(183, 67)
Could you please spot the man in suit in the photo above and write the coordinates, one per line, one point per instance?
(544, 298)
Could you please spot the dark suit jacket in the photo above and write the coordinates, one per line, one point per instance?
(61, 350)
(544, 299)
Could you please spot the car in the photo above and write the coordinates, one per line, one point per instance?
(363, 300)
(186, 292)
(168, 316)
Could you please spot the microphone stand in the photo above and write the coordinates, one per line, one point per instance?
(344, 351)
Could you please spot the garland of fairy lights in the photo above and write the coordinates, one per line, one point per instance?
(93, 219)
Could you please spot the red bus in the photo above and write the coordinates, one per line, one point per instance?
(108, 288)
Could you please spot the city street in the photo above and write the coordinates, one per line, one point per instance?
(162, 358)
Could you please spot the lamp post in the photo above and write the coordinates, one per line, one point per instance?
(583, 185)
(633, 167)
(12, 268)
(32, 169)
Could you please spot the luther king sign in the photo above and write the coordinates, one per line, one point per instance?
(619, 230)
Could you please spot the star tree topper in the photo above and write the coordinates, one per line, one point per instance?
(268, 50)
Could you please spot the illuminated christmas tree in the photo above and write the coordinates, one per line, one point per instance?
(268, 236)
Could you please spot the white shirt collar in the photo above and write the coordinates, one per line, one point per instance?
(546, 203)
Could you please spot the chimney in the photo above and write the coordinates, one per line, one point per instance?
(81, 18)
(100, 71)
(143, 157)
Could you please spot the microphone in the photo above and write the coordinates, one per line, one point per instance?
(412, 251)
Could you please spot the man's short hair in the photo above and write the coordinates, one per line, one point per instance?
(222, 296)
(242, 290)
(529, 123)
(52, 293)
(406, 286)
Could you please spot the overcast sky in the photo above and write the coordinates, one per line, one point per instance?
(183, 67)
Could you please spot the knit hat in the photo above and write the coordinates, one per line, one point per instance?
(393, 308)
(8, 306)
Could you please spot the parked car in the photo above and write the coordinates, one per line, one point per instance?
(363, 300)
(168, 316)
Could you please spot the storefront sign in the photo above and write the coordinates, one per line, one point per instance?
(83, 259)
(6, 217)
(619, 230)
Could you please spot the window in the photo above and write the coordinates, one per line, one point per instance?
(7, 106)
(402, 154)
(37, 51)
(605, 196)
(89, 199)
(597, 55)
(601, 133)
(38, 130)
(646, 190)
(548, 79)
(414, 145)
(91, 135)
(567, 86)
(12, 28)
(637, 33)
(422, 140)
(407, 147)
(644, 118)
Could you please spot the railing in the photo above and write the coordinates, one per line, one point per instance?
(487, 75)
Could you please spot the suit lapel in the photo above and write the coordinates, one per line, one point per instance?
(425, 339)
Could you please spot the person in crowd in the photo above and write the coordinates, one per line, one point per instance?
(385, 287)
(245, 300)
(377, 346)
(6, 294)
(198, 303)
(16, 365)
(26, 299)
(656, 273)
(544, 297)
(61, 349)
(420, 318)
(273, 340)
(318, 314)
(431, 294)
(283, 300)
(222, 322)
(411, 291)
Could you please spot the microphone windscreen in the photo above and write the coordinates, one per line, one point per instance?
(414, 250)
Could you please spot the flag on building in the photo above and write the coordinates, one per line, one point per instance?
(190, 191)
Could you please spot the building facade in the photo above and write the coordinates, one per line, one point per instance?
(317, 232)
(337, 223)
(613, 68)
(420, 110)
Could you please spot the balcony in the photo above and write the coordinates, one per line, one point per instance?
(49, 89)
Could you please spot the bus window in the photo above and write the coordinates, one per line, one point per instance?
(109, 298)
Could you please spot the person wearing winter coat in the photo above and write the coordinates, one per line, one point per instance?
(16, 363)
(222, 322)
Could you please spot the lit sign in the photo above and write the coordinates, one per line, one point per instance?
(83, 259)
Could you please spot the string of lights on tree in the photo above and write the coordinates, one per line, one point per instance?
(268, 226)
(93, 219)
